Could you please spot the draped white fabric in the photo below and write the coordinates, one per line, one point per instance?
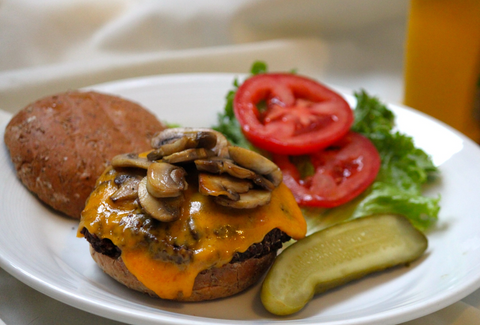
(52, 46)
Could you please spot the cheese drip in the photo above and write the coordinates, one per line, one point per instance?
(167, 257)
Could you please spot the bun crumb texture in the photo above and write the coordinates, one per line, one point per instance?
(61, 144)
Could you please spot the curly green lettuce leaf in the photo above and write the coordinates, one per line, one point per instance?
(403, 164)
(372, 118)
(398, 187)
(387, 198)
(404, 171)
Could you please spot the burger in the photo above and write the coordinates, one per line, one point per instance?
(193, 219)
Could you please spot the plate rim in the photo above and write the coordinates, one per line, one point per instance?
(85, 304)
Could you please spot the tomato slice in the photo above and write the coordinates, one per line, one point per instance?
(341, 172)
(290, 114)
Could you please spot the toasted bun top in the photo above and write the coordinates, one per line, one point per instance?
(61, 144)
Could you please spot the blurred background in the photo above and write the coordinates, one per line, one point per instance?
(51, 45)
(429, 62)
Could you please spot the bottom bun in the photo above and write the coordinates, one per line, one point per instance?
(210, 284)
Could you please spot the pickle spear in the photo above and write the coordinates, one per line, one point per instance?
(337, 255)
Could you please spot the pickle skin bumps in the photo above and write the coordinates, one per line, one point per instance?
(60, 144)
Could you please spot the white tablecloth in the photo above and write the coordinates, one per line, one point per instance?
(52, 46)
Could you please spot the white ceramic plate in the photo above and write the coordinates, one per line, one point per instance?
(39, 246)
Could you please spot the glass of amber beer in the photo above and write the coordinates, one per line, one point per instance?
(442, 64)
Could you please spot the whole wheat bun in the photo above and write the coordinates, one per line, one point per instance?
(210, 284)
(61, 144)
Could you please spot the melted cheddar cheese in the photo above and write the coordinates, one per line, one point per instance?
(167, 257)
